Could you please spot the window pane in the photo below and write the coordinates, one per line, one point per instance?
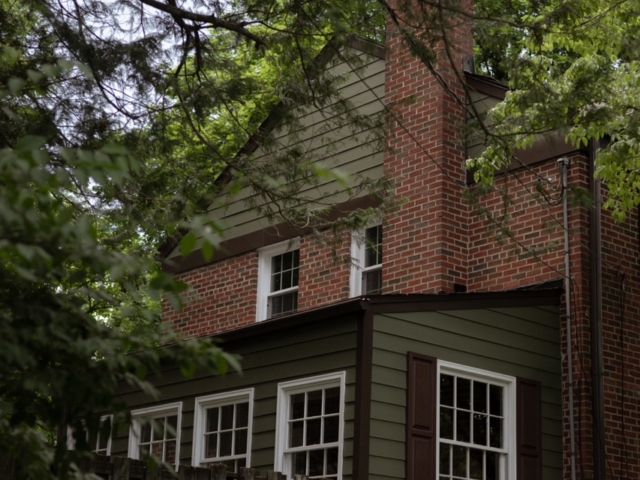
(373, 246)
(172, 426)
(297, 406)
(332, 461)
(212, 419)
(143, 451)
(495, 432)
(331, 425)
(300, 463)
(480, 429)
(314, 403)
(445, 453)
(226, 439)
(446, 423)
(313, 431)
(145, 433)
(158, 428)
(286, 279)
(463, 426)
(463, 393)
(157, 450)
(242, 415)
(316, 463)
(459, 461)
(446, 390)
(276, 282)
(475, 463)
(491, 466)
(297, 429)
(295, 275)
(372, 282)
(276, 264)
(211, 445)
(495, 400)
(287, 261)
(226, 413)
(332, 400)
(240, 442)
(480, 397)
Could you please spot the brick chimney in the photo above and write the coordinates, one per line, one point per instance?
(426, 241)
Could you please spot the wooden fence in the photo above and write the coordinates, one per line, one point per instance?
(120, 468)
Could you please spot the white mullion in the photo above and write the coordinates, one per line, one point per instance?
(471, 414)
(233, 430)
(471, 445)
(218, 432)
(304, 421)
(455, 408)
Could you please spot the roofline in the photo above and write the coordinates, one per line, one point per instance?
(380, 304)
(326, 54)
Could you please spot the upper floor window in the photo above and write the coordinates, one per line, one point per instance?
(366, 252)
(476, 432)
(309, 430)
(222, 429)
(156, 431)
(278, 280)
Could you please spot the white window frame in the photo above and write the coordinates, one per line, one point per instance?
(71, 441)
(282, 460)
(264, 274)
(152, 413)
(200, 418)
(508, 460)
(358, 249)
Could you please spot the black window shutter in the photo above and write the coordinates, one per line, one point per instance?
(422, 377)
(529, 429)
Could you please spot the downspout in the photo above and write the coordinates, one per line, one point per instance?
(564, 166)
(595, 307)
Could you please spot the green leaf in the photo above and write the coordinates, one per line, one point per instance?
(15, 85)
(188, 243)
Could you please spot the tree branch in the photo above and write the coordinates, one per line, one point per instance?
(238, 27)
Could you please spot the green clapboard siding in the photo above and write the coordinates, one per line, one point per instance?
(521, 342)
(268, 359)
(353, 153)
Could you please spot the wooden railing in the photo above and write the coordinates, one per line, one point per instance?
(120, 468)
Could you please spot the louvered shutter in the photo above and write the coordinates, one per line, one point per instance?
(422, 377)
(529, 429)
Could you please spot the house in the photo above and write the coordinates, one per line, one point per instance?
(442, 353)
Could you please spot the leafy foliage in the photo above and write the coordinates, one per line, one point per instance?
(573, 68)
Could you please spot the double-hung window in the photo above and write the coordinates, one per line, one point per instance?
(476, 427)
(366, 253)
(156, 431)
(222, 429)
(278, 280)
(309, 433)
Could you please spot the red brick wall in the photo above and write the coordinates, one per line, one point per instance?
(425, 157)
(223, 295)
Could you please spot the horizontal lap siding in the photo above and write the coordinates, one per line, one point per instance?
(310, 350)
(352, 152)
(522, 342)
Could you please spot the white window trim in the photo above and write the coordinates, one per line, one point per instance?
(285, 390)
(151, 413)
(509, 416)
(71, 441)
(218, 400)
(264, 273)
(358, 245)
